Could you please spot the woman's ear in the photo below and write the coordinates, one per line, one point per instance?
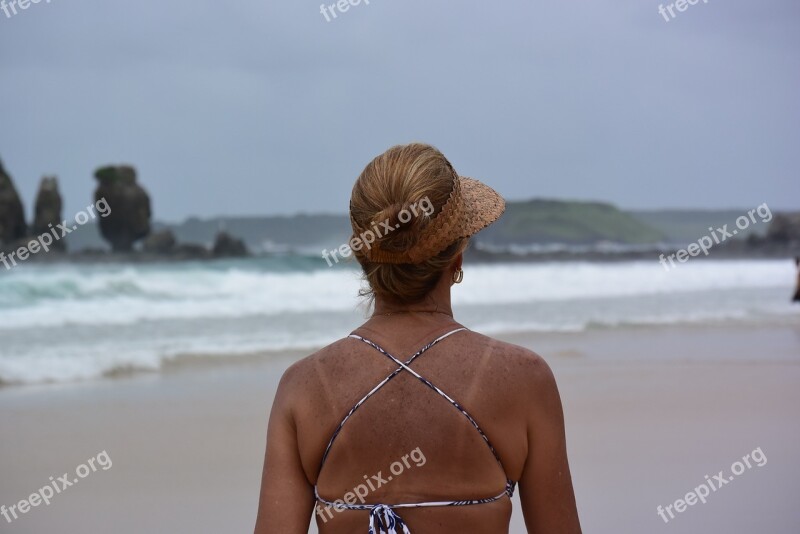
(458, 261)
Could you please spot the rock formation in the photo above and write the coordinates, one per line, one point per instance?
(227, 246)
(162, 242)
(784, 229)
(129, 219)
(47, 210)
(12, 214)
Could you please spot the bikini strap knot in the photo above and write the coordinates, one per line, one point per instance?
(384, 520)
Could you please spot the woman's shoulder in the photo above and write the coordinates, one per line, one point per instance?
(509, 358)
(307, 368)
(303, 385)
(505, 352)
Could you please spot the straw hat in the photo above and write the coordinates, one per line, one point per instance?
(471, 206)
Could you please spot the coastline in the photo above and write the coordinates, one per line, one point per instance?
(187, 443)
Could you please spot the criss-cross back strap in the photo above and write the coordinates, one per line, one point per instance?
(380, 384)
(405, 367)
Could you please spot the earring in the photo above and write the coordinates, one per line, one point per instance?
(458, 276)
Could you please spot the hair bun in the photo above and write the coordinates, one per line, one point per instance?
(399, 227)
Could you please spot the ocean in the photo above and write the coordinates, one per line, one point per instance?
(69, 322)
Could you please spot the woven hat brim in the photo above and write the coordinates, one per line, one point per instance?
(482, 206)
(472, 207)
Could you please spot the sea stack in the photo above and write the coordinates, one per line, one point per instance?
(12, 213)
(129, 219)
(47, 210)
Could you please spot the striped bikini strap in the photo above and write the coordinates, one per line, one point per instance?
(380, 385)
(341, 505)
(384, 519)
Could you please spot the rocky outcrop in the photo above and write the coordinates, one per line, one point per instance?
(47, 210)
(227, 246)
(12, 213)
(129, 220)
(161, 242)
(784, 229)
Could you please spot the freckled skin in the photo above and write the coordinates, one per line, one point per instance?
(510, 391)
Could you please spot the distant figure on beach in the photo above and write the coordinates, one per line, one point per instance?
(797, 290)
(414, 423)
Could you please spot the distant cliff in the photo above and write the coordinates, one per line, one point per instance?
(542, 221)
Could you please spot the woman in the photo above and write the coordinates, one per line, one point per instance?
(414, 423)
(796, 297)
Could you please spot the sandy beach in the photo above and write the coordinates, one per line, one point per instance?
(187, 444)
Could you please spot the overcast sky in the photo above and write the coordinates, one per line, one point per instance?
(263, 107)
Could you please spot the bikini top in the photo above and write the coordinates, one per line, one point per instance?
(383, 519)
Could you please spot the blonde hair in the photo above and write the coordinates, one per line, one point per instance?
(392, 184)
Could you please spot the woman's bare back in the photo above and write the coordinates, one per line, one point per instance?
(408, 444)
